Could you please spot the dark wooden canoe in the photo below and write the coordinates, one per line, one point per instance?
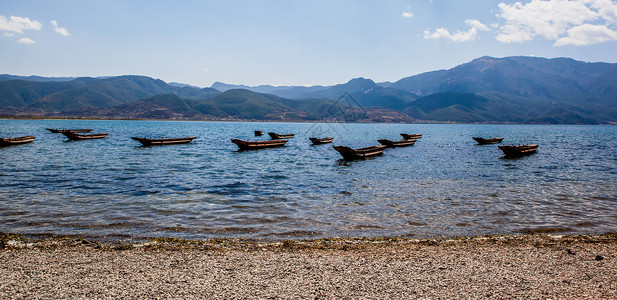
(250, 145)
(360, 153)
(157, 142)
(275, 136)
(482, 141)
(77, 136)
(411, 136)
(5, 142)
(259, 133)
(401, 143)
(517, 151)
(318, 141)
(58, 130)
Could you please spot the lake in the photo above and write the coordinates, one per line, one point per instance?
(445, 185)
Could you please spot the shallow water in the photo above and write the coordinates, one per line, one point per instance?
(444, 185)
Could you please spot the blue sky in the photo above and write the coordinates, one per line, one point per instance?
(293, 42)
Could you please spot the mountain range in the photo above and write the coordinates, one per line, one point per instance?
(485, 90)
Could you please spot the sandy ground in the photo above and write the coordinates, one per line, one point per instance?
(533, 266)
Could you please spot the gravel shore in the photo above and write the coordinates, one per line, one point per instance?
(529, 266)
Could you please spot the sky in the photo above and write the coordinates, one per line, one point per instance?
(292, 42)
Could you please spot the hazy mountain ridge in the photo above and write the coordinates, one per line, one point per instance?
(493, 90)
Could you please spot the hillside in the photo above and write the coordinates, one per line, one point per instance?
(235, 105)
(494, 90)
(563, 80)
(491, 107)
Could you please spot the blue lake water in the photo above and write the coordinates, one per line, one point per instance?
(445, 185)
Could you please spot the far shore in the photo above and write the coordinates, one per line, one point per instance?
(521, 266)
(285, 121)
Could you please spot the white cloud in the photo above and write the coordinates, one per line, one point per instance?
(607, 9)
(204, 70)
(567, 22)
(60, 30)
(26, 41)
(8, 34)
(459, 36)
(407, 14)
(18, 24)
(587, 34)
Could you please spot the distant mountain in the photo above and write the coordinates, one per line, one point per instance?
(491, 107)
(566, 90)
(485, 90)
(237, 105)
(559, 79)
(365, 93)
(90, 92)
(281, 91)
(196, 93)
(249, 105)
(5, 77)
(384, 84)
(264, 89)
(158, 107)
(182, 85)
(356, 85)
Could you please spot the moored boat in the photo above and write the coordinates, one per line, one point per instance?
(155, 142)
(482, 141)
(275, 136)
(59, 130)
(359, 153)
(77, 136)
(318, 141)
(411, 136)
(254, 145)
(401, 143)
(516, 151)
(259, 133)
(5, 142)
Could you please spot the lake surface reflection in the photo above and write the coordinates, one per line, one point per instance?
(444, 185)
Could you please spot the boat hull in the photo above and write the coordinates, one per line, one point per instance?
(317, 141)
(401, 143)
(78, 137)
(5, 142)
(360, 153)
(250, 145)
(57, 130)
(160, 142)
(518, 151)
(275, 136)
(411, 136)
(482, 141)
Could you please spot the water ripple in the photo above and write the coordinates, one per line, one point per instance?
(445, 185)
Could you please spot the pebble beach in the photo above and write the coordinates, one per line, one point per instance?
(501, 267)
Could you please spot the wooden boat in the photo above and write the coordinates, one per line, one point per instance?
(259, 133)
(254, 145)
(5, 142)
(401, 143)
(411, 136)
(275, 136)
(77, 136)
(318, 141)
(57, 130)
(360, 153)
(156, 142)
(516, 151)
(482, 141)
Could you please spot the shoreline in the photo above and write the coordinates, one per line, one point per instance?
(522, 266)
(417, 122)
